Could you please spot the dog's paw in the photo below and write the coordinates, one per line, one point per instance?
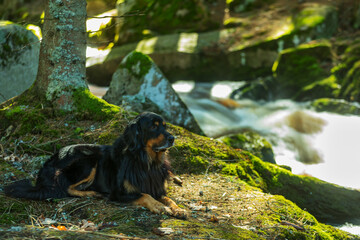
(180, 213)
(161, 209)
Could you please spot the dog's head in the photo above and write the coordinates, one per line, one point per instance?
(148, 132)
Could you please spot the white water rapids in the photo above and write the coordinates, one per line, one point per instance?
(323, 145)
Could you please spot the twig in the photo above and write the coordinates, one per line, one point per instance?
(84, 205)
(292, 225)
(39, 149)
(52, 141)
(122, 16)
(118, 236)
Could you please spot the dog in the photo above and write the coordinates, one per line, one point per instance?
(132, 170)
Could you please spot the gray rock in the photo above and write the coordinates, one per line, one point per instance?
(19, 59)
(139, 84)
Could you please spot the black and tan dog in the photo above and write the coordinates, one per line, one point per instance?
(134, 169)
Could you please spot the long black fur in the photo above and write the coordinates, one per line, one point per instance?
(126, 160)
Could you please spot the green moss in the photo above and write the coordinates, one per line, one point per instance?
(196, 163)
(309, 192)
(92, 107)
(233, 22)
(252, 142)
(351, 84)
(336, 106)
(29, 119)
(319, 19)
(299, 67)
(137, 63)
(236, 169)
(309, 17)
(325, 88)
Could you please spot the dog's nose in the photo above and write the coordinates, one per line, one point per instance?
(171, 139)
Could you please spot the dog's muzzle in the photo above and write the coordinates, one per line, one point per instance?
(168, 144)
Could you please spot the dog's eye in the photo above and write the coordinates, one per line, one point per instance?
(153, 127)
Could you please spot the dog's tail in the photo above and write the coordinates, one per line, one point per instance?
(24, 189)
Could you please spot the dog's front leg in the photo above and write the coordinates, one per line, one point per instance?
(154, 206)
(176, 210)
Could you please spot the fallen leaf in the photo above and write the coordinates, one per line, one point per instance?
(163, 231)
(61, 228)
(214, 219)
(195, 207)
(48, 221)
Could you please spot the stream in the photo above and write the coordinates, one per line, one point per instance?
(323, 145)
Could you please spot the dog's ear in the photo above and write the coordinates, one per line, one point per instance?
(133, 136)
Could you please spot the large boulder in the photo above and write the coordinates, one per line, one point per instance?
(140, 84)
(338, 106)
(19, 59)
(299, 70)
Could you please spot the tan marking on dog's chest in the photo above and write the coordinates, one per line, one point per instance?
(154, 156)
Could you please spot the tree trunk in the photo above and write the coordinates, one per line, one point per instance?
(63, 53)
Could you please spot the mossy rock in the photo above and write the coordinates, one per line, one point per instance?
(310, 193)
(319, 20)
(303, 68)
(252, 142)
(262, 89)
(338, 106)
(325, 88)
(138, 83)
(351, 85)
(347, 71)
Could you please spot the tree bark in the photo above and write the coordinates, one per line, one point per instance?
(63, 53)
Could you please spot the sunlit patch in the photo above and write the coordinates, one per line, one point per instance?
(147, 46)
(94, 52)
(223, 90)
(183, 86)
(93, 25)
(187, 42)
(286, 28)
